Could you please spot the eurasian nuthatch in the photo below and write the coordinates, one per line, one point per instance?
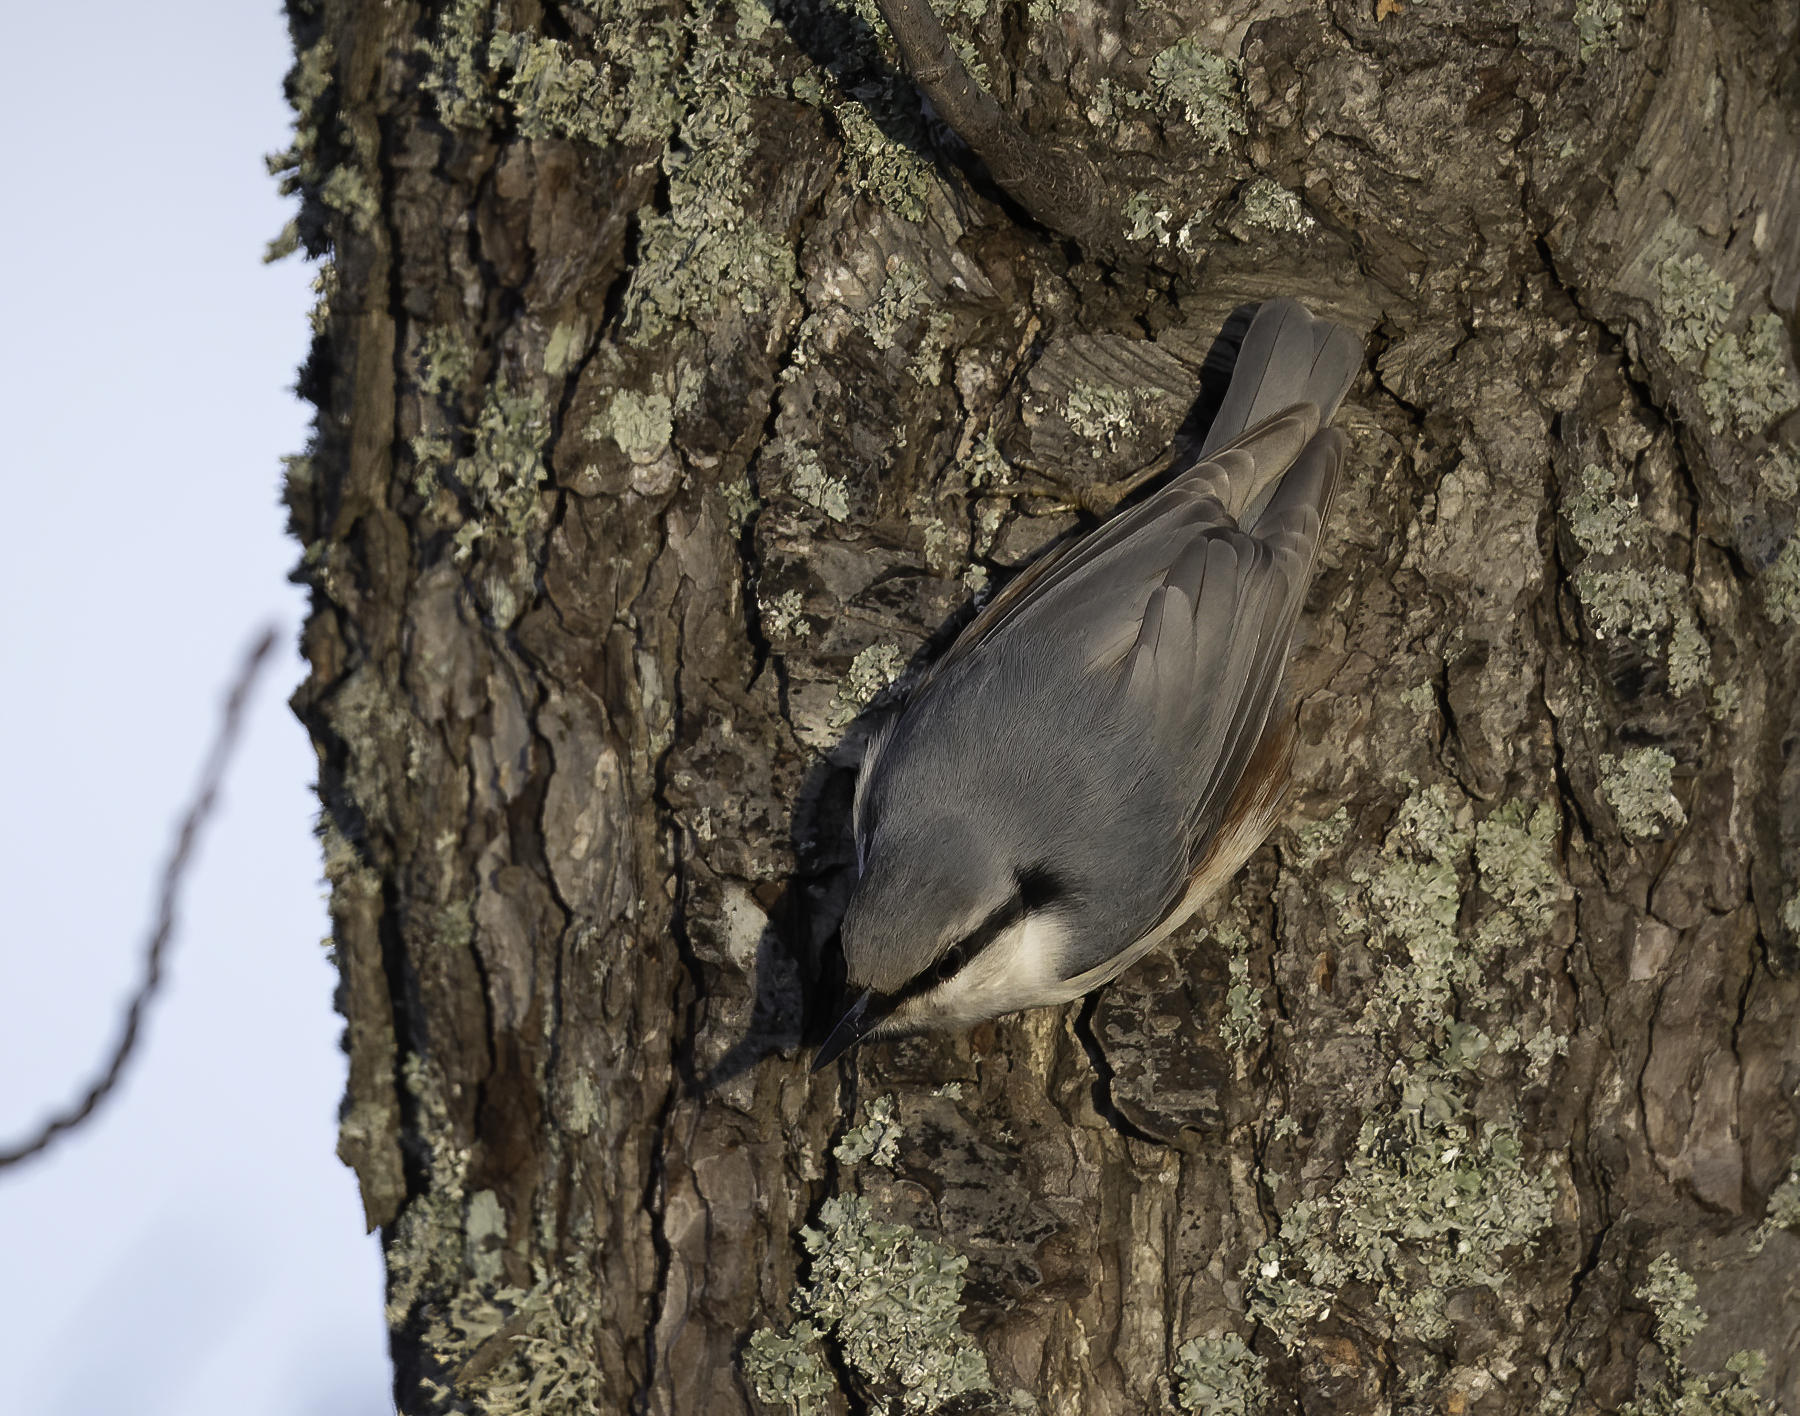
(1103, 747)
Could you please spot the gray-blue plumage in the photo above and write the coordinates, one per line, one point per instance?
(1075, 756)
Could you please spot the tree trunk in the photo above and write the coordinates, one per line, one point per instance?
(680, 386)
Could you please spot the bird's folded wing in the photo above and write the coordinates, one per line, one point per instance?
(1203, 664)
(1102, 580)
(1212, 674)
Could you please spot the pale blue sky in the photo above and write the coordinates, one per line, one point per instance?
(197, 1248)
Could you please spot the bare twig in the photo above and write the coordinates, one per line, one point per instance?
(173, 873)
(1060, 189)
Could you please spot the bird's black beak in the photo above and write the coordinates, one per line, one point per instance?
(859, 1018)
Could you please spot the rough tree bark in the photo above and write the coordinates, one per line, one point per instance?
(679, 386)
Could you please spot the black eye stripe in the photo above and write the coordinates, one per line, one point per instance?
(992, 927)
(1038, 886)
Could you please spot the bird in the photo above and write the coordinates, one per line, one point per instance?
(1105, 744)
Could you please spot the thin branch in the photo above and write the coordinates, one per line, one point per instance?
(173, 874)
(1059, 188)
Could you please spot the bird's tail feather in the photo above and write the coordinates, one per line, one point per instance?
(1288, 356)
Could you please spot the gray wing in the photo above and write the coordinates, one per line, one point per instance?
(1153, 648)
(1292, 372)
(1095, 579)
(1205, 669)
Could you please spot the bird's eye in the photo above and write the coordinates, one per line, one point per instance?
(951, 964)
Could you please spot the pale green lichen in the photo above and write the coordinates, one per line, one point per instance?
(307, 84)
(891, 172)
(1416, 896)
(1515, 852)
(1147, 219)
(1690, 656)
(989, 513)
(877, 1140)
(1430, 1202)
(485, 1220)
(1747, 382)
(1671, 1293)
(1101, 413)
(1273, 207)
(1597, 25)
(1204, 86)
(645, 109)
(1695, 303)
(545, 1333)
(1110, 101)
(324, 288)
(891, 1300)
(808, 480)
(1598, 519)
(936, 536)
(656, 80)
(786, 1371)
(870, 673)
(1781, 584)
(553, 92)
(1421, 698)
(1427, 823)
(985, 466)
(1637, 786)
(706, 251)
(445, 360)
(1242, 1024)
(1543, 1047)
(1780, 473)
(640, 424)
(754, 19)
(454, 75)
(904, 293)
(781, 617)
(877, 112)
(505, 464)
(346, 190)
(550, 89)
(1318, 839)
(345, 187)
(425, 1252)
(1630, 600)
(432, 452)
(1784, 1202)
(563, 350)
(741, 501)
(927, 363)
(1219, 1376)
(286, 242)
(297, 166)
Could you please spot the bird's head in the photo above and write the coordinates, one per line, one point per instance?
(946, 929)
